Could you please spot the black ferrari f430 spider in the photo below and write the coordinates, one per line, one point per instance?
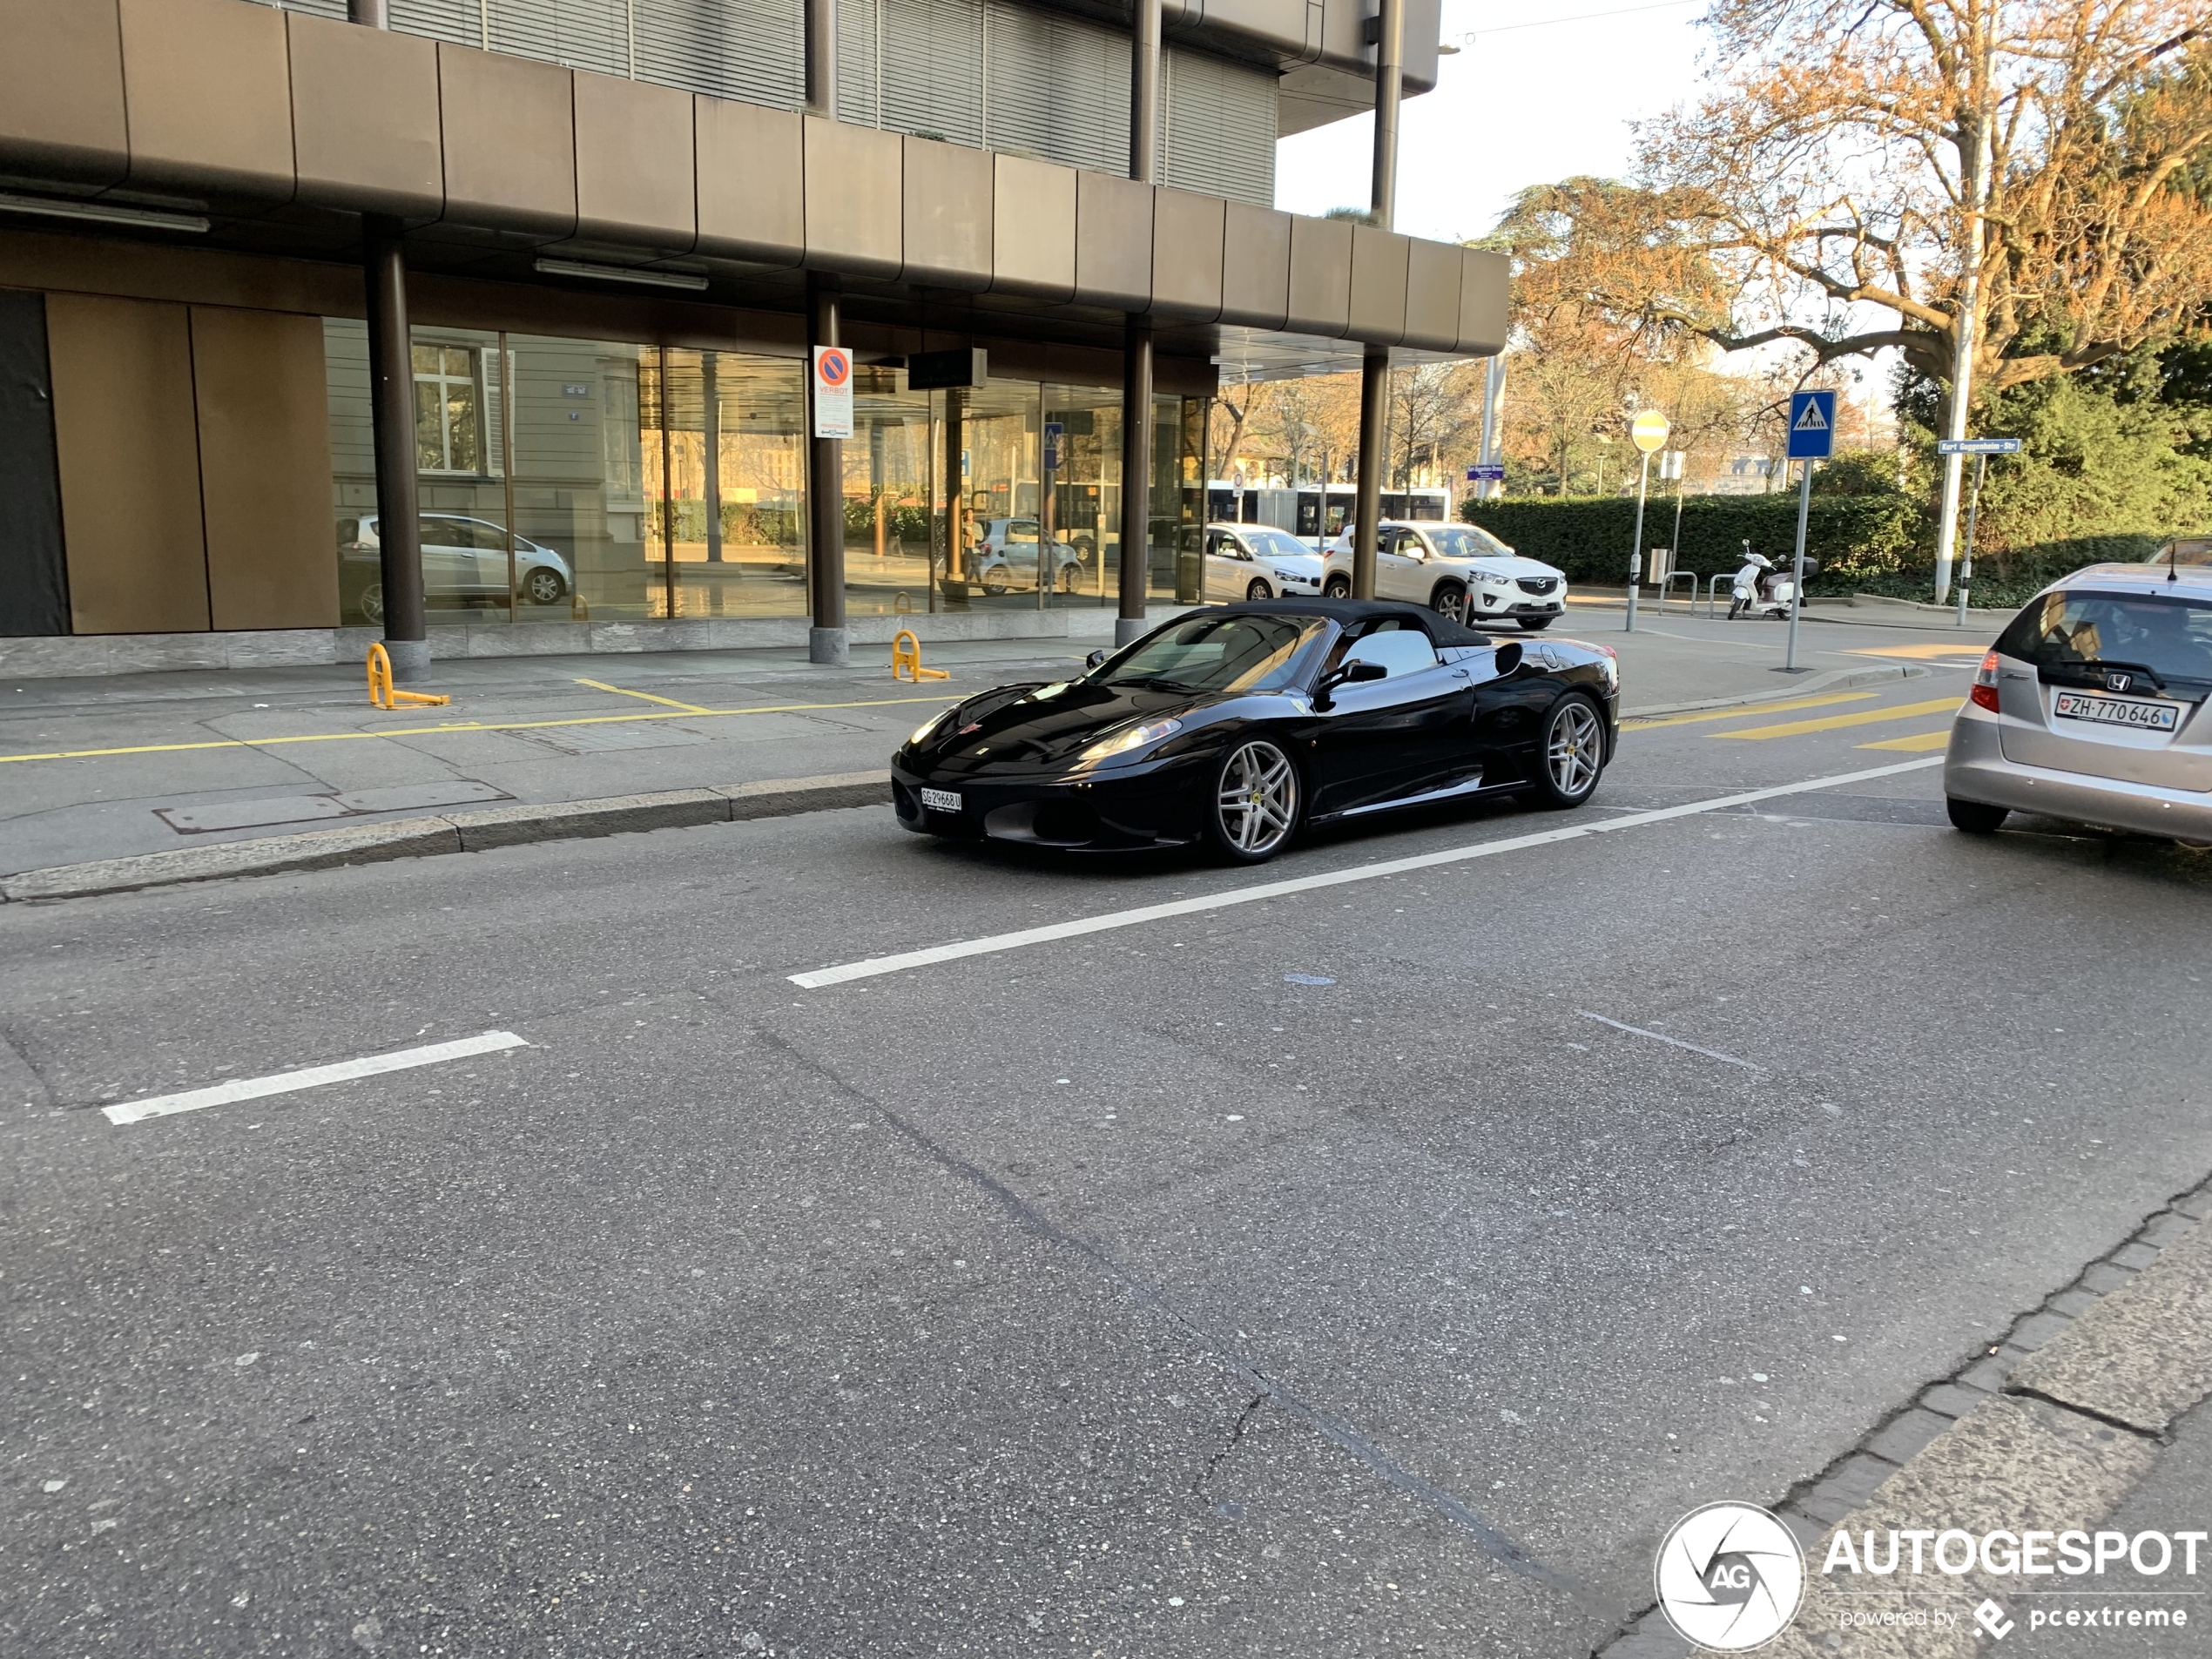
(1240, 725)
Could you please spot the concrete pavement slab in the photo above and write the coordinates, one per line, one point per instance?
(2142, 1355)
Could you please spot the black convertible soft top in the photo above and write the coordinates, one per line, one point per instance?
(1441, 630)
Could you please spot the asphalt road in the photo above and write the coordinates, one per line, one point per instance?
(1313, 1276)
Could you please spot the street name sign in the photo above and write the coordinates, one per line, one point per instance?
(1813, 426)
(1979, 446)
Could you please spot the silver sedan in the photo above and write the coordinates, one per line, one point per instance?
(2092, 708)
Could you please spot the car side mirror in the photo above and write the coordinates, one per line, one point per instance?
(1509, 656)
(1094, 659)
(1351, 672)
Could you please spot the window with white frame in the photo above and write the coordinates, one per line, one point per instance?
(448, 409)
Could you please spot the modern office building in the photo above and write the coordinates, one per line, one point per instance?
(608, 231)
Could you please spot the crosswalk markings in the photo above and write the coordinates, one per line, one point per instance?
(1836, 722)
(1918, 743)
(1740, 712)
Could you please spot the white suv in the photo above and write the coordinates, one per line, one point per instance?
(1457, 570)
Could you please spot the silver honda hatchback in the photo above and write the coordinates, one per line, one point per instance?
(2091, 708)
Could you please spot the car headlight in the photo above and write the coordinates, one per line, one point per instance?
(1131, 739)
(922, 731)
(1291, 575)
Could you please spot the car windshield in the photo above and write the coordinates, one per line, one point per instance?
(1274, 545)
(1464, 542)
(1216, 654)
(2172, 637)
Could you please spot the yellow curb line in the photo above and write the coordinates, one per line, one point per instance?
(1833, 722)
(1744, 711)
(466, 725)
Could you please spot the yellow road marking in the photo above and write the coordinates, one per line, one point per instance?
(1742, 712)
(1868, 716)
(1924, 652)
(688, 708)
(462, 725)
(1918, 743)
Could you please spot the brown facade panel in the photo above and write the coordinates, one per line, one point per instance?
(264, 416)
(633, 163)
(125, 445)
(1033, 228)
(854, 216)
(1113, 242)
(1485, 281)
(1433, 296)
(61, 90)
(1255, 266)
(947, 196)
(1379, 261)
(751, 182)
(365, 118)
(1187, 233)
(509, 126)
(207, 87)
(1320, 289)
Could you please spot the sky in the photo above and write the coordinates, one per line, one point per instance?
(1546, 94)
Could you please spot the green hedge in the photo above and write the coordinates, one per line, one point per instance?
(1588, 537)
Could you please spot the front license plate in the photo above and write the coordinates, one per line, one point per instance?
(941, 800)
(2113, 710)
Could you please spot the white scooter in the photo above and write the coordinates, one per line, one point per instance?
(1763, 590)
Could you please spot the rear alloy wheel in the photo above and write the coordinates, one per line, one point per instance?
(371, 602)
(1256, 802)
(1974, 817)
(1257, 590)
(994, 580)
(1450, 602)
(543, 587)
(1573, 752)
(1337, 587)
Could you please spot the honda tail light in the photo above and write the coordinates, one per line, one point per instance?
(1983, 694)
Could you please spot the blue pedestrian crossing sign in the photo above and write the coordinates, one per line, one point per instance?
(1813, 426)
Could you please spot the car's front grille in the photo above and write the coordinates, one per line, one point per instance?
(1538, 585)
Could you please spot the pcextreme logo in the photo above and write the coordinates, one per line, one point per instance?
(1730, 1577)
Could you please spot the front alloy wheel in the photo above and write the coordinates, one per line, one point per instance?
(1574, 753)
(1256, 802)
(1450, 602)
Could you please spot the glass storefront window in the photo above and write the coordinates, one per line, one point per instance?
(649, 482)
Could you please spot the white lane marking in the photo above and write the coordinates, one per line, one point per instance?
(1661, 1036)
(822, 977)
(284, 1083)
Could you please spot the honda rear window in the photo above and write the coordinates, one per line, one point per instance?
(2170, 638)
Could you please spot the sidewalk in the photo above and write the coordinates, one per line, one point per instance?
(104, 768)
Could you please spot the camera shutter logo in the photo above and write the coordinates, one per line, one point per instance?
(1730, 1577)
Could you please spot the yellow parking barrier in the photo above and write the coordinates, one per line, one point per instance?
(906, 659)
(380, 693)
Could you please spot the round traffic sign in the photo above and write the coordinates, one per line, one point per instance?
(834, 367)
(1650, 431)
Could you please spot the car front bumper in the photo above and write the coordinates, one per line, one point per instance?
(1126, 809)
(1975, 769)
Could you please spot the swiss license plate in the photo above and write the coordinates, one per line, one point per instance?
(941, 800)
(2113, 710)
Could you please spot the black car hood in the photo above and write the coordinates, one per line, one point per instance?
(1011, 729)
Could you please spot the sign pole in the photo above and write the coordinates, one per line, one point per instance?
(1967, 552)
(1797, 578)
(1635, 555)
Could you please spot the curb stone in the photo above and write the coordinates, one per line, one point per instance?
(470, 832)
(2072, 1406)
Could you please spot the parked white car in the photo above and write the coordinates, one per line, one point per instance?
(1005, 556)
(1458, 570)
(1259, 561)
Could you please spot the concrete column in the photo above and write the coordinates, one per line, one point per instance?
(1389, 87)
(1136, 478)
(828, 641)
(821, 58)
(1144, 94)
(391, 378)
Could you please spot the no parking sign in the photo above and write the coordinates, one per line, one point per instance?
(832, 392)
